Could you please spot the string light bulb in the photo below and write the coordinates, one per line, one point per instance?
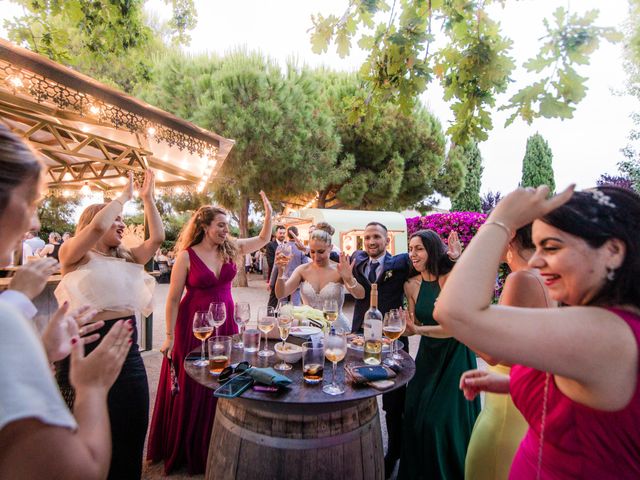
(86, 189)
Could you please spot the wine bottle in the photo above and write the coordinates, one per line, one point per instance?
(373, 330)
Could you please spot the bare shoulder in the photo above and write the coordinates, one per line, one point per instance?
(412, 285)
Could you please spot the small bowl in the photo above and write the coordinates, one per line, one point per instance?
(291, 354)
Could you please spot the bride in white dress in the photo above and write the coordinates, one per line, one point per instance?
(321, 279)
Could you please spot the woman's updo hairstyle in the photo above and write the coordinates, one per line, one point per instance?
(597, 215)
(321, 235)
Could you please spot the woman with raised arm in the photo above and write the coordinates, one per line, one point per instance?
(321, 279)
(98, 270)
(39, 437)
(206, 264)
(437, 419)
(500, 426)
(575, 369)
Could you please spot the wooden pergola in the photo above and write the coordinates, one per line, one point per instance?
(92, 134)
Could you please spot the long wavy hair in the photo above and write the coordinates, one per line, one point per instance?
(193, 233)
(438, 262)
(85, 219)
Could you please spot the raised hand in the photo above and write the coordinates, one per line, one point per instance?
(148, 186)
(524, 205)
(345, 268)
(472, 382)
(282, 260)
(101, 367)
(127, 191)
(454, 247)
(268, 210)
(31, 278)
(299, 245)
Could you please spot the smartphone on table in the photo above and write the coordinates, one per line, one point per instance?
(234, 387)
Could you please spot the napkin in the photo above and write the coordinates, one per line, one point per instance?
(369, 373)
(268, 376)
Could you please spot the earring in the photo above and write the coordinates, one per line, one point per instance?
(509, 256)
(611, 274)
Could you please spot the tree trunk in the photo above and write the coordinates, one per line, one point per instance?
(243, 225)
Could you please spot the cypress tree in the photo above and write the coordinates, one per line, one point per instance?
(468, 200)
(536, 166)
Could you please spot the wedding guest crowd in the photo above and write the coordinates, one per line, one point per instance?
(562, 392)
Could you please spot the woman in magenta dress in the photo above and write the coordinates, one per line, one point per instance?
(575, 375)
(206, 265)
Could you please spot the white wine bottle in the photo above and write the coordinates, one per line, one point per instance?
(373, 331)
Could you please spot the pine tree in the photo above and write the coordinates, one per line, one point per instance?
(536, 166)
(468, 200)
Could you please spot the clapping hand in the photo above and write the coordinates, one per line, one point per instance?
(64, 326)
(454, 247)
(410, 326)
(345, 268)
(148, 186)
(127, 191)
(268, 210)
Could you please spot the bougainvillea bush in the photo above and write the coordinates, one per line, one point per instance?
(465, 223)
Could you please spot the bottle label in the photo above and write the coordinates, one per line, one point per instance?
(373, 330)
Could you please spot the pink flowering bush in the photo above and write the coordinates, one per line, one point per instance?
(465, 223)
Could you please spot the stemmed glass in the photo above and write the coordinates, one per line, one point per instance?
(202, 329)
(266, 322)
(284, 325)
(219, 312)
(335, 349)
(330, 310)
(394, 323)
(242, 315)
(285, 251)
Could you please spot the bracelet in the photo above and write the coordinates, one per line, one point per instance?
(501, 225)
(355, 283)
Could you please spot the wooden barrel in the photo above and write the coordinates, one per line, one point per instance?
(258, 440)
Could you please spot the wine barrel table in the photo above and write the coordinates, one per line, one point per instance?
(299, 432)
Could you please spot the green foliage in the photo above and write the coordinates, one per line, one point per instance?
(469, 198)
(109, 40)
(473, 66)
(285, 138)
(537, 168)
(388, 159)
(56, 215)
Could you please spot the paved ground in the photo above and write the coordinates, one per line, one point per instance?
(256, 294)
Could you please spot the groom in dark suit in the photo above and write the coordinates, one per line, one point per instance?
(376, 265)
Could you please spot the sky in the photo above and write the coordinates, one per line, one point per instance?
(583, 148)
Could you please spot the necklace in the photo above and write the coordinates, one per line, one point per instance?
(101, 253)
(543, 421)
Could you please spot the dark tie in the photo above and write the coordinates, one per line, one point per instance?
(373, 268)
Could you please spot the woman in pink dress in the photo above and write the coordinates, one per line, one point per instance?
(205, 265)
(575, 374)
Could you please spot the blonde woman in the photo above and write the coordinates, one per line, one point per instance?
(321, 279)
(98, 270)
(206, 265)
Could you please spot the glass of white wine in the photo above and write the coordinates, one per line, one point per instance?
(284, 325)
(266, 322)
(335, 349)
(202, 329)
(330, 310)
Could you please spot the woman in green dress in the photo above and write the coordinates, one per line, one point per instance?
(437, 419)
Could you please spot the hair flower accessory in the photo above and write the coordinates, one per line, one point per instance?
(601, 198)
(387, 275)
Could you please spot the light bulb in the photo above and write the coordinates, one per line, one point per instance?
(86, 189)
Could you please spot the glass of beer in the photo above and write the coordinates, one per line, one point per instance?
(219, 354)
(312, 362)
(335, 349)
(393, 327)
(202, 329)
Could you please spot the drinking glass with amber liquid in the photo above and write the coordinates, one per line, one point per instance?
(393, 327)
(219, 354)
(312, 362)
(202, 329)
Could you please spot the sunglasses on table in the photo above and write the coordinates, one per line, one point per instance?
(230, 372)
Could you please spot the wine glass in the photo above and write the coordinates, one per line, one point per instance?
(393, 326)
(284, 325)
(284, 250)
(242, 315)
(330, 310)
(266, 322)
(202, 329)
(219, 312)
(335, 349)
